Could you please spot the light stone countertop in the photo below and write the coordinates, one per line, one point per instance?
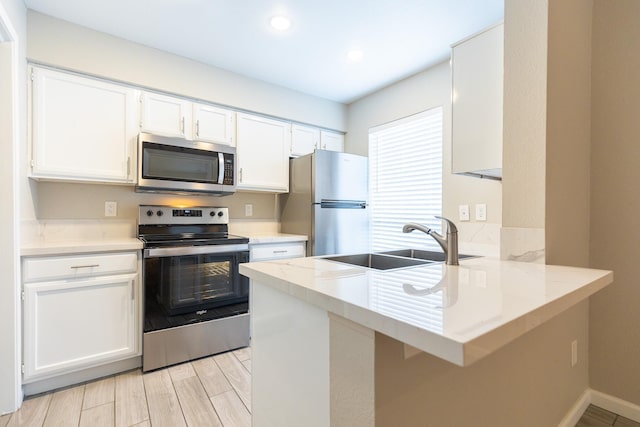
(66, 247)
(458, 313)
(264, 238)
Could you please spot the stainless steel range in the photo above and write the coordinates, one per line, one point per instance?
(195, 300)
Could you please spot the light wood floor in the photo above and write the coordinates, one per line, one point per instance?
(214, 391)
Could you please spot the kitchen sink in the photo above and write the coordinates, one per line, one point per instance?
(378, 261)
(420, 254)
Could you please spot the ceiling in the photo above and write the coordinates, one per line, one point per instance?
(397, 37)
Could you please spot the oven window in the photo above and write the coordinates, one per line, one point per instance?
(195, 282)
(181, 164)
(189, 283)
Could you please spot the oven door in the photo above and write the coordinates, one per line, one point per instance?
(191, 279)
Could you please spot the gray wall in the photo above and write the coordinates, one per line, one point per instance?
(615, 200)
(428, 89)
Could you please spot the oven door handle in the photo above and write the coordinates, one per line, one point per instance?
(194, 250)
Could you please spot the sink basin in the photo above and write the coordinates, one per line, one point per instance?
(423, 255)
(378, 261)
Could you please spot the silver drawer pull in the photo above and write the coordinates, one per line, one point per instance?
(280, 252)
(85, 266)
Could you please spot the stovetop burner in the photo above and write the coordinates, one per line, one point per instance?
(161, 226)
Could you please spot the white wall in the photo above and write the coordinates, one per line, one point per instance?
(64, 45)
(12, 137)
(428, 89)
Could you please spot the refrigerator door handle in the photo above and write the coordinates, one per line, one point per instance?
(343, 204)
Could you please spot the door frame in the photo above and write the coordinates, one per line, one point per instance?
(10, 302)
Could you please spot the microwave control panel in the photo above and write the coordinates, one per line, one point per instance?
(228, 169)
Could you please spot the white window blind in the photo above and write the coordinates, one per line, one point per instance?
(406, 180)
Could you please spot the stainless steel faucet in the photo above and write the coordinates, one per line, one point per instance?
(449, 244)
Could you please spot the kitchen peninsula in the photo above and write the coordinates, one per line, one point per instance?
(320, 329)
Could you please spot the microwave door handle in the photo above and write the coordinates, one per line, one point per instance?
(220, 168)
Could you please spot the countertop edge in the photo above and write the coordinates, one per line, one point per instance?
(79, 247)
(449, 349)
(259, 239)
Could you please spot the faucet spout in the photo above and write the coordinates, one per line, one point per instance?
(449, 244)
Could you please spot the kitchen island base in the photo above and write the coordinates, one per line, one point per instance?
(309, 367)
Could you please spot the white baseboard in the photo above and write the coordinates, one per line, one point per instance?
(604, 401)
(576, 411)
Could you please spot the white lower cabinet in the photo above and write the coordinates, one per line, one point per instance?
(86, 319)
(281, 250)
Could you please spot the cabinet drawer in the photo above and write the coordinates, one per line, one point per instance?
(62, 267)
(277, 251)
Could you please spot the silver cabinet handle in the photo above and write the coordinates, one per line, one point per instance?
(128, 166)
(85, 266)
(198, 128)
(182, 125)
(240, 175)
(280, 252)
(133, 290)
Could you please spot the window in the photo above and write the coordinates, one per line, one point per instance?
(405, 180)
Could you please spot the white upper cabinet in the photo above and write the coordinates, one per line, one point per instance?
(331, 141)
(165, 115)
(173, 116)
(477, 67)
(263, 147)
(213, 124)
(304, 139)
(81, 129)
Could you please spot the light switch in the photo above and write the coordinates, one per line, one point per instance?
(248, 209)
(481, 212)
(463, 212)
(110, 208)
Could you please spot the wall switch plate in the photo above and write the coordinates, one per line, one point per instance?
(248, 209)
(463, 212)
(110, 208)
(481, 212)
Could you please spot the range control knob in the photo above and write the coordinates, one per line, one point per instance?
(149, 212)
(220, 213)
(159, 213)
(212, 213)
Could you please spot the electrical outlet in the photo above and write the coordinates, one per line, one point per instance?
(574, 353)
(463, 212)
(248, 209)
(110, 208)
(481, 212)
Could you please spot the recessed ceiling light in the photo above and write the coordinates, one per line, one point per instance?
(355, 55)
(280, 23)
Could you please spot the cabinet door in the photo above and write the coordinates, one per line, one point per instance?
(74, 324)
(82, 129)
(213, 124)
(477, 76)
(165, 115)
(331, 141)
(263, 147)
(304, 139)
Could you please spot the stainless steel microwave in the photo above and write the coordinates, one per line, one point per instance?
(179, 166)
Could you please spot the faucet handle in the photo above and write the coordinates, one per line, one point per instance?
(451, 227)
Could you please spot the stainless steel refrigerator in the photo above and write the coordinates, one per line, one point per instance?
(328, 202)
